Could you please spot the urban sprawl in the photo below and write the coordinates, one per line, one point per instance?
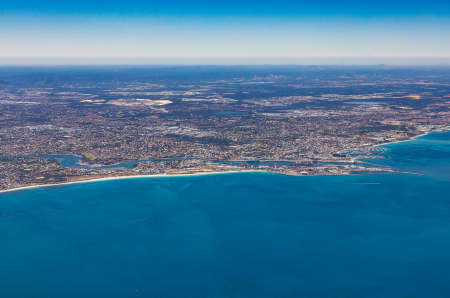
(68, 124)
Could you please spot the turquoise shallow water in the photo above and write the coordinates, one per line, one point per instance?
(235, 235)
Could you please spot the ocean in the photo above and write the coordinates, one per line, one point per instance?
(237, 235)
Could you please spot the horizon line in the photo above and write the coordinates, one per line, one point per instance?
(224, 60)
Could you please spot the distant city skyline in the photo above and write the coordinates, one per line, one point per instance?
(253, 29)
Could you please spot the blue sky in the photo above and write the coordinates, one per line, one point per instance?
(224, 28)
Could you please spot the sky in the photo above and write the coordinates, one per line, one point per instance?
(235, 28)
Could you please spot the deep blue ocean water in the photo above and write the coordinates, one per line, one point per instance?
(236, 235)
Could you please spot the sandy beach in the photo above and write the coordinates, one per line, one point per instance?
(87, 180)
(415, 137)
(402, 141)
(127, 177)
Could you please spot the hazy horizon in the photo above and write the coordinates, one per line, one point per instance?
(171, 61)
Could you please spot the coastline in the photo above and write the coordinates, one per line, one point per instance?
(414, 137)
(98, 179)
(88, 180)
(407, 140)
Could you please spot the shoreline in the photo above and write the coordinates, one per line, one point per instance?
(98, 179)
(89, 180)
(407, 140)
(415, 137)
